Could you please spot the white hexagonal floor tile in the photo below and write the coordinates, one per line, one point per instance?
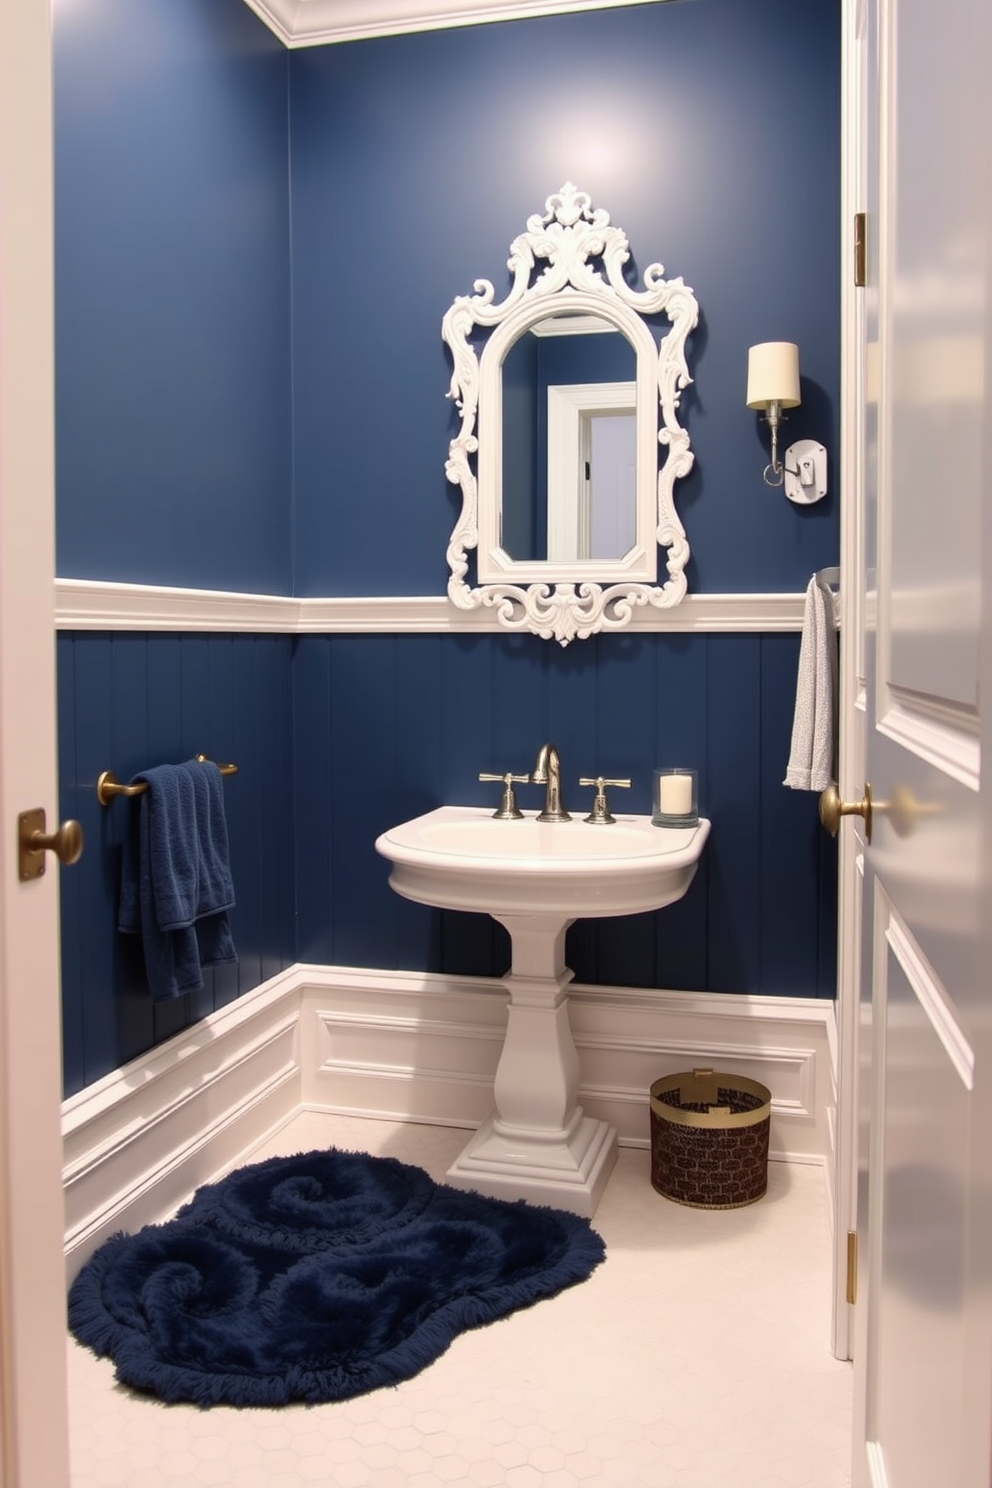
(645, 1376)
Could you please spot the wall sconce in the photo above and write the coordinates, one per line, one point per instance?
(773, 384)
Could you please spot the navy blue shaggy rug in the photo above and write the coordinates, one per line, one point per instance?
(314, 1278)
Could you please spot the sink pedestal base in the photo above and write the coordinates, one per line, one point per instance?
(538, 1144)
(568, 1174)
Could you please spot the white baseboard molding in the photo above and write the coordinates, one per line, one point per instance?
(421, 1047)
(138, 1142)
(407, 1046)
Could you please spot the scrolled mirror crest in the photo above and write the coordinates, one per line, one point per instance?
(584, 256)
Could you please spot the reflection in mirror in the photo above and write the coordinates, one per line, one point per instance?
(566, 495)
(568, 489)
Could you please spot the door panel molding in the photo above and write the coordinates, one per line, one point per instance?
(942, 734)
(931, 996)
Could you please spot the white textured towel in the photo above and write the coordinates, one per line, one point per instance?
(814, 729)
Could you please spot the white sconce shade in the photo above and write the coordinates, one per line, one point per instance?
(773, 374)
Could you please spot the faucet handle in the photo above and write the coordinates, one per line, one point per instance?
(600, 813)
(507, 810)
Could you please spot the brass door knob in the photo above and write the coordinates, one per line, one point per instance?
(33, 842)
(832, 808)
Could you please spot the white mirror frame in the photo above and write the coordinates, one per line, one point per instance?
(566, 601)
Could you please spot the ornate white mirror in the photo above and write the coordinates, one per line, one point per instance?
(566, 413)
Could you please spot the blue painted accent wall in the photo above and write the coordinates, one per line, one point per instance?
(211, 434)
(388, 727)
(709, 131)
(172, 295)
(128, 701)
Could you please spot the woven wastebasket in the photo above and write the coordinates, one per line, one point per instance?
(709, 1139)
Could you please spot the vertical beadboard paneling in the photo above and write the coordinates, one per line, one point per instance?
(315, 819)
(417, 777)
(129, 701)
(522, 706)
(223, 744)
(615, 734)
(269, 720)
(165, 727)
(408, 722)
(129, 740)
(338, 737)
(194, 706)
(681, 725)
(467, 709)
(791, 831)
(365, 736)
(734, 792)
(478, 736)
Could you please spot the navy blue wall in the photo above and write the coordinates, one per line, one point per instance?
(128, 701)
(709, 131)
(172, 295)
(414, 161)
(391, 726)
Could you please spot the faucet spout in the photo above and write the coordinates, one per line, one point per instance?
(547, 772)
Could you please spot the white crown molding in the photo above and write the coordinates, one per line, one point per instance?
(301, 23)
(92, 604)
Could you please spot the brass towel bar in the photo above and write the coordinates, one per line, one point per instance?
(108, 786)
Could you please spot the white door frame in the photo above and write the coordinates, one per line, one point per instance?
(33, 1398)
(569, 519)
(850, 485)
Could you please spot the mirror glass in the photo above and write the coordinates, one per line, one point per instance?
(569, 442)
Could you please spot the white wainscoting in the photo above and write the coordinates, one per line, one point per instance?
(409, 1046)
(138, 1142)
(415, 1046)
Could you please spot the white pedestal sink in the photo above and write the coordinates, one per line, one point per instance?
(536, 878)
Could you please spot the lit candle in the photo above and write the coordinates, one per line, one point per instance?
(675, 795)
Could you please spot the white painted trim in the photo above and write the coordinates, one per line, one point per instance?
(95, 604)
(299, 23)
(33, 1399)
(138, 1142)
(405, 1046)
(424, 1047)
(933, 999)
(850, 603)
(946, 738)
(569, 503)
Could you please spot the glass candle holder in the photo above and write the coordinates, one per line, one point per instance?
(675, 802)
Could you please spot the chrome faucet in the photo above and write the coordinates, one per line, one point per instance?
(547, 771)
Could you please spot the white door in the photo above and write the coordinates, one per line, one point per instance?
(924, 1321)
(33, 1437)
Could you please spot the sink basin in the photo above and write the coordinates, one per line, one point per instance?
(536, 878)
(460, 857)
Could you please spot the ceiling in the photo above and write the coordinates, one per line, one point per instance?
(300, 23)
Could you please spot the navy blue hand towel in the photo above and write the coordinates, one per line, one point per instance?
(176, 885)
